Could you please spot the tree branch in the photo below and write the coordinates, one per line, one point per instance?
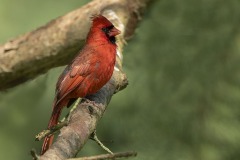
(57, 42)
(108, 156)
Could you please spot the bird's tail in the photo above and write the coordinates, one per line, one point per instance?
(52, 122)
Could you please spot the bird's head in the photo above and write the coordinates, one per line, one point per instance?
(102, 27)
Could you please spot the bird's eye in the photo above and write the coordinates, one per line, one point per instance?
(105, 29)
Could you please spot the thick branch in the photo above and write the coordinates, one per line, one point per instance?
(57, 42)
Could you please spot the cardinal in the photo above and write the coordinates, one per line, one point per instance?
(91, 69)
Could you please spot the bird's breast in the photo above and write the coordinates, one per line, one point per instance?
(103, 73)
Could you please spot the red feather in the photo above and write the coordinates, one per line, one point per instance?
(88, 72)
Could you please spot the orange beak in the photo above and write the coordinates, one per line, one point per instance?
(113, 32)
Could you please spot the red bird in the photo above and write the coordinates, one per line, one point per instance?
(88, 72)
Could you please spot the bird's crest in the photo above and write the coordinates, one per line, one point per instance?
(99, 19)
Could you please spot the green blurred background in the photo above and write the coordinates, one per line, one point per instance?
(183, 66)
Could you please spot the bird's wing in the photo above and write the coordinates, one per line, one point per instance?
(72, 76)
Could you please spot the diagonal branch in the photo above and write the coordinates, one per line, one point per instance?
(108, 156)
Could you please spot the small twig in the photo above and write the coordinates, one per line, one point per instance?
(34, 155)
(47, 132)
(95, 138)
(61, 124)
(72, 109)
(108, 156)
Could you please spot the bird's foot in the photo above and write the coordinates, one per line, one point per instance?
(95, 138)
